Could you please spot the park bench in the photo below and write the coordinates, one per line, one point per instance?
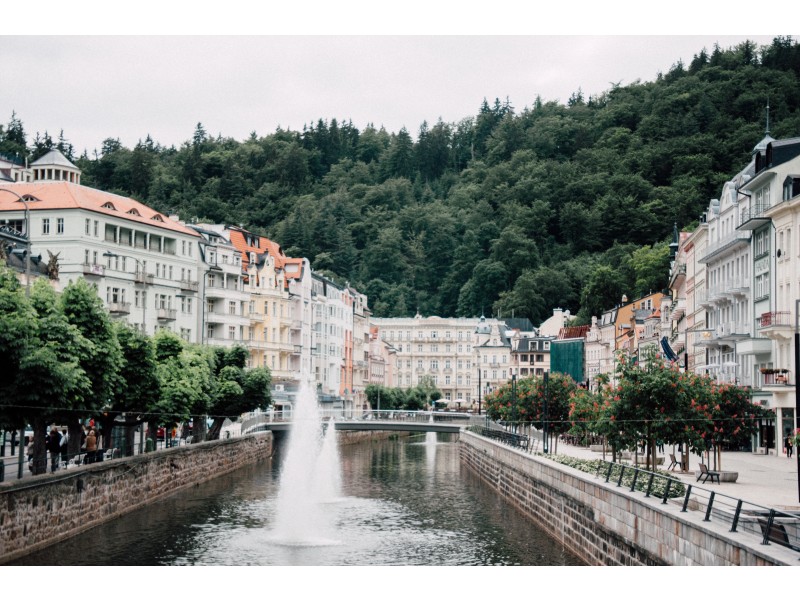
(705, 474)
(776, 532)
(673, 463)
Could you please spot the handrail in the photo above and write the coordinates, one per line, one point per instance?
(765, 523)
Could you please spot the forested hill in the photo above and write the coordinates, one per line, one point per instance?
(509, 211)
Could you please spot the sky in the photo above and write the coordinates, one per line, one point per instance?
(238, 73)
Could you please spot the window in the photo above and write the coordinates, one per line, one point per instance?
(435, 365)
(86, 257)
(419, 364)
(45, 226)
(59, 225)
(231, 332)
(96, 228)
(88, 226)
(447, 379)
(231, 308)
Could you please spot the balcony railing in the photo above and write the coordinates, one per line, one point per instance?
(773, 379)
(166, 314)
(119, 308)
(142, 277)
(772, 319)
(189, 286)
(94, 270)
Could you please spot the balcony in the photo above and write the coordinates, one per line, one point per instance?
(753, 218)
(776, 325)
(724, 246)
(119, 308)
(189, 286)
(678, 308)
(780, 378)
(93, 270)
(142, 277)
(296, 325)
(166, 314)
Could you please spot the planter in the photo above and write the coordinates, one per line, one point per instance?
(642, 460)
(724, 476)
(597, 448)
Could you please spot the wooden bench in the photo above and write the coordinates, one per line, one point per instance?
(777, 533)
(673, 463)
(705, 474)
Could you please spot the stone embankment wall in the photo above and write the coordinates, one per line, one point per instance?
(39, 511)
(606, 525)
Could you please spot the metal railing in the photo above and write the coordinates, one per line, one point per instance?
(763, 523)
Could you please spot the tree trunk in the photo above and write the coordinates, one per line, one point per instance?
(39, 448)
(216, 426)
(199, 429)
(75, 442)
(130, 439)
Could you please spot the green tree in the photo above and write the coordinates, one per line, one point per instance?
(102, 358)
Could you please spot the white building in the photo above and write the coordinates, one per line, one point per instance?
(141, 261)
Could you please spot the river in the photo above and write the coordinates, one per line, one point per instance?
(404, 502)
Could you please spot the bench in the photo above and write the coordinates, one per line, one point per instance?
(705, 474)
(776, 533)
(673, 463)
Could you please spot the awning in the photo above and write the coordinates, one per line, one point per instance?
(668, 351)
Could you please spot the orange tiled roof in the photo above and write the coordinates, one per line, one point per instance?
(62, 195)
(239, 242)
(576, 331)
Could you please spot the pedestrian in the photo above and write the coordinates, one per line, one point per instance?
(29, 452)
(91, 446)
(787, 444)
(64, 445)
(53, 445)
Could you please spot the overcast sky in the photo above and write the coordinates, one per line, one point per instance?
(128, 86)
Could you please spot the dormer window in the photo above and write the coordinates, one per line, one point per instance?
(791, 187)
(134, 212)
(157, 217)
(109, 206)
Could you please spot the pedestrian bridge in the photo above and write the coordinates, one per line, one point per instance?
(376, 420)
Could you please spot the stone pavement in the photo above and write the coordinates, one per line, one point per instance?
(765, 480)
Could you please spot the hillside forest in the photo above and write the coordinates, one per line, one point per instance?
(510, 212)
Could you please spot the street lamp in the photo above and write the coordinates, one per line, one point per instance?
(28, 240)
(139, 267)
(514, 401)
(796, 371)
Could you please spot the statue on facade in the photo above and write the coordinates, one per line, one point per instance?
(52, 265)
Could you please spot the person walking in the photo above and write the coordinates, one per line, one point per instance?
(53, 445)
(64, 445)
(787, 444)
(91, 446)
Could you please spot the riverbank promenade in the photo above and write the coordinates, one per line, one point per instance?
(767, 480)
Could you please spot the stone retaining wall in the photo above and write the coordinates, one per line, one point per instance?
(39, 511)
(606, 525)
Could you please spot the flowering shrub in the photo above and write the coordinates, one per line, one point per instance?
(676, 488)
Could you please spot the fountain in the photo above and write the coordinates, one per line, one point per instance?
(309, 478)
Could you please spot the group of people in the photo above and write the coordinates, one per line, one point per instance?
(57, 445)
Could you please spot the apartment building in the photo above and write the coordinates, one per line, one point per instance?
(143, 263)
(279, 304)
(770, 203)
(225, 308)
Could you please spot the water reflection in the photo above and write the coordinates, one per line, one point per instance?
(403, 503)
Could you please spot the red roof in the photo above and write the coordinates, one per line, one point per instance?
(577, 331)
(266, 245)
(62, 195)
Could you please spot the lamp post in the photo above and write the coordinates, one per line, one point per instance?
(27, 295)
(514, 402)
(796, 371)
(139, 267)
(478, 361)
(544, 413)
(28, 241)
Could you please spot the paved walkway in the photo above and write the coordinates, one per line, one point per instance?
(766, 480)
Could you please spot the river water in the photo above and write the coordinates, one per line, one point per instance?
(404, 502)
